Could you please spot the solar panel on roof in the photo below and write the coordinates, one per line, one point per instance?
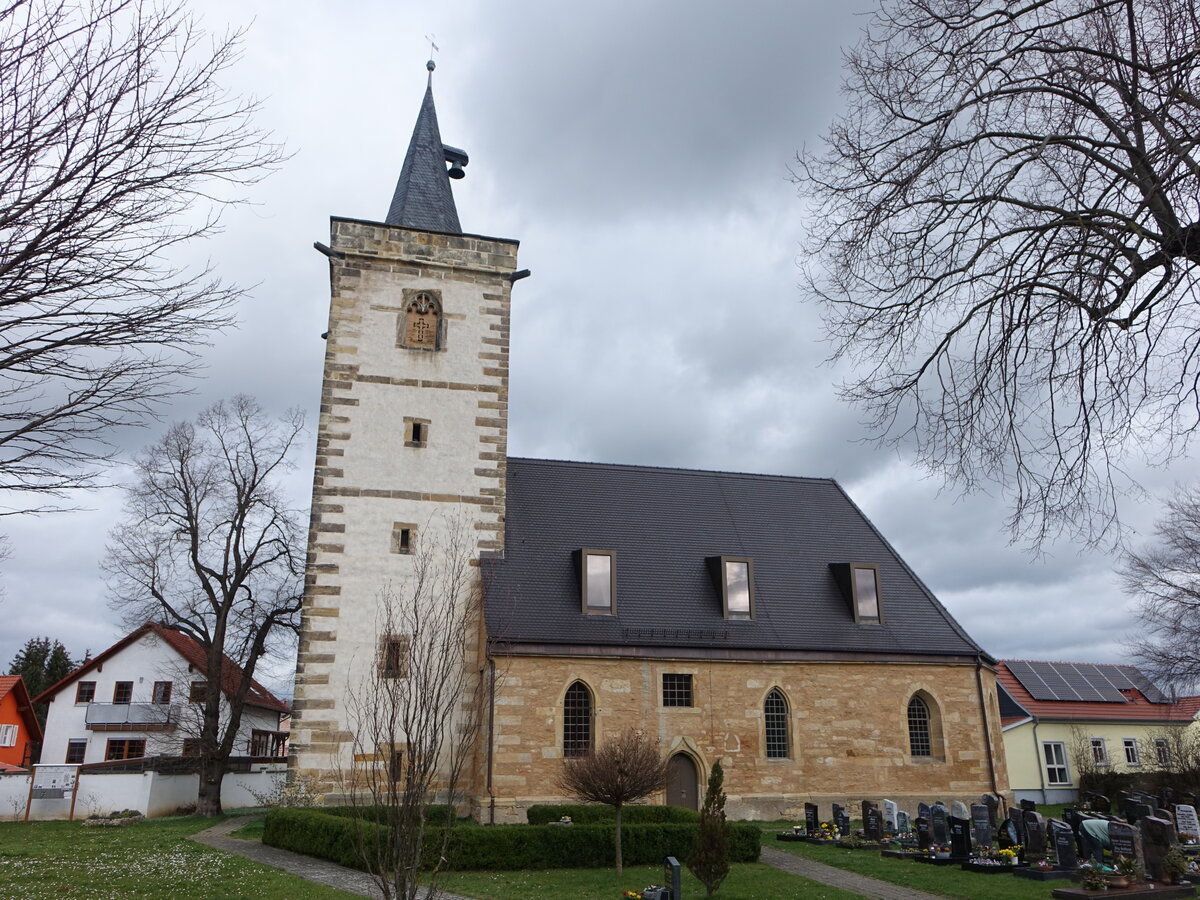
(1078, 680)
(1085, 682)
(1054, 682)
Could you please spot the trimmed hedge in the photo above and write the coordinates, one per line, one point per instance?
(436, 813)
(333, 836)
(598, 814)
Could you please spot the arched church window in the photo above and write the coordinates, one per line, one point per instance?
(422, 327)
(775, 715)
(920, 740)
(577, 720)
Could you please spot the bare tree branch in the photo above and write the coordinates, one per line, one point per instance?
(210, 547)
(417, 713)
(117, 144)
(1006, 240)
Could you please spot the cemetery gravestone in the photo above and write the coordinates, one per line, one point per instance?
(941, 825)
(992, 802)
(1144, 811)
(1028, 805)
(1035, 833)
(891, 820)
(1012, 832)
(1188, 797)
(1063, 838)
(981, 825)
(1016, 818)
(872, 822)
(923, 811)
(1186, 821)
(959, 810)
(1125, 841)
(924, 833)
(1128, 808)
(811, 820)
(960, 838)
(1098, 803)
(843, 824)
(903, 822)
(1158, 837)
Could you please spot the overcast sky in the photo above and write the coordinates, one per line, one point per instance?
(640, 152)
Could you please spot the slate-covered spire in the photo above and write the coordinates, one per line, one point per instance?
(423, 198)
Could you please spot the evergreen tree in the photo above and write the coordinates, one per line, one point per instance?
(41, 663)
(709, 861)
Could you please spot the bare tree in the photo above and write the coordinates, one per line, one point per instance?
(117, 144)
(626, 768)
(1164, 579)
(416, 713)
(210, 547)
(1006, 239)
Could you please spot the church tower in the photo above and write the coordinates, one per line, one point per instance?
(412, 434)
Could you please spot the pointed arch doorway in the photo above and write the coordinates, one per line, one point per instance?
(683, 782)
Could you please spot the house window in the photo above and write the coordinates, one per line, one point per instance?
(393, 656)
(8, 735)
(1099, 752)
(416, 432)
(198, 692)
(422, 322)
(120, 748)
(76, 748)
(1162, 750)
(577, 720)
(162, 692)
(123, 692)
(920, 736)
(404, 536)
(599, 581)
(1132, 757)
(85, 692)
(677, 690)
(191, 747)
(775, 717)
(1055, 755)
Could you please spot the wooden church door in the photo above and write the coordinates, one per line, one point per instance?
(683, 782)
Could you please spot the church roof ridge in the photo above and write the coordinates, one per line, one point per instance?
(679, 470)
(423, 198)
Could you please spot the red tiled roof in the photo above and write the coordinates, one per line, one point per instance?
(193, 654)
(1136, 708)
(9, 769)
(15, 685)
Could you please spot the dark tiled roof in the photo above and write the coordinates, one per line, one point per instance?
(662, 523)
(423, 198)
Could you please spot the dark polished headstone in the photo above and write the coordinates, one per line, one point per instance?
(924, 832)
(992, 802)
(872, 822)
(812, 822)
(1062, 836)
(1016, 818)
(1028, 805)
(924, 811)
(1035, 833)
(981, 825)
(941, 823)
(1158, 837)
(1125, 840)
(960, 838)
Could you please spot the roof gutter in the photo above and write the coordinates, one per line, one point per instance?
(1011, 725)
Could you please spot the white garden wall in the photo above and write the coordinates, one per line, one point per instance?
(150, 793)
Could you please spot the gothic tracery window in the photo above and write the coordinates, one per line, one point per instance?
(775, 713)
(422, 322)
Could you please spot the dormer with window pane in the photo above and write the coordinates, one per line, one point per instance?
(859, 583)
(597, 581)
(733, 577)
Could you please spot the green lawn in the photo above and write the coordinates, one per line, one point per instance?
(151, 859)
(747, 881)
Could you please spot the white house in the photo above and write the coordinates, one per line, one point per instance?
(141, 698)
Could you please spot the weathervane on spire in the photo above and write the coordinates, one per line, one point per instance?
(433, 48)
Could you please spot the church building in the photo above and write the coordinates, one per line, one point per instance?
(758, 620)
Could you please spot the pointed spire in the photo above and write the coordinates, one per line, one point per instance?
(423, 198)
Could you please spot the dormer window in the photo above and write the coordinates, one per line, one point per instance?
(733, 577)
(598, 581)
(859, 583)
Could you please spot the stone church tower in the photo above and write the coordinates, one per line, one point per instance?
(413, 423)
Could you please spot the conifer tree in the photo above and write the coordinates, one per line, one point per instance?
(709, 861)
(41, 663)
